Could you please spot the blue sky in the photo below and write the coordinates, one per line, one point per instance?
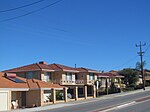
(97, 34)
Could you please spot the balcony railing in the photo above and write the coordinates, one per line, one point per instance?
(79, 81)
(71, 82)
(147, 77)
(90, 81)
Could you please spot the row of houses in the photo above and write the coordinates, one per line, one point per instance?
(42, 84)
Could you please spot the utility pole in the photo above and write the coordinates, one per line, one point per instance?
(141, 63)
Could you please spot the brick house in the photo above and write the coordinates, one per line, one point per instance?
(107, 79)
(89, 77)
(25, 92)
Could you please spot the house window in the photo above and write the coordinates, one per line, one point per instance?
(47, 76)
(91, 76)
(29, 75)
(68, 76)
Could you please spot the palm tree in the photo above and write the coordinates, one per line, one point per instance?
(138, 65)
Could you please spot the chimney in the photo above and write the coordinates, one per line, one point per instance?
(10, 75)
(42, 62)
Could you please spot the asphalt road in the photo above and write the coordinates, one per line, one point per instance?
(139, 107)
(138, 102)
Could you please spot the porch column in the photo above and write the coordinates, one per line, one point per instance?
(41, 94)
(120, 84)
(85, 92)
(94, 91)
(76, 93)
(53, 95)
(65, 94)
(119, 80)
(106, 86)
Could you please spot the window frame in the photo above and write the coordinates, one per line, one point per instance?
(70, 76)
(91, 76)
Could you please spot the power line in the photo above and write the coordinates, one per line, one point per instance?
(29, 13)
(147, 48)
(128, 61)
(20, 7)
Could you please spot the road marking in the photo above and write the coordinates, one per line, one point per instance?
(143, 99)
(124, 105)
(115, 107)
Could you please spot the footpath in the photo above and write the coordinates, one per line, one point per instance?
(59, 105)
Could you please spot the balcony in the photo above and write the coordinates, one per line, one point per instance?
(71, 82)
(91, 82)
(147, 77)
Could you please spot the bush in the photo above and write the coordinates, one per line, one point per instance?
(139, 86)
(128, 89)
(132, 85)
(59, 95)
(147, 84)
(113, 89)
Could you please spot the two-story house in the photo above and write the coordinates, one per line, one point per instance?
(89, 77)
(67, 76)
(109, 80)
(79, 81)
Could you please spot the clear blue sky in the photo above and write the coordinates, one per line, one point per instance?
(97, 34)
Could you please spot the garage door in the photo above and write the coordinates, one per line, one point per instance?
(3, 101)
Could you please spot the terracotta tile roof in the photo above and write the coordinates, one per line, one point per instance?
(38, 67)
(102, 75)
(109, 75)
(86, 70)
(59, 67)
(6, 83)
(34, 83)
(81, 70)
(113, 72)
(28, 83)
(31, 67)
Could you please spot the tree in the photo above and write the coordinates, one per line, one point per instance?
(138, 65)
(131, 76)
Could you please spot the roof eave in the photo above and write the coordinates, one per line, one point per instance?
(75, 71)
(15, 89)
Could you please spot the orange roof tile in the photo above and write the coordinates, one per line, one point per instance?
(28, 83)
(34, 83)
(6, 83)
(86, 70)
(31, 67)
(59, 67)
(109, 75)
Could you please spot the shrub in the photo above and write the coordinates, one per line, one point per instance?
(59, 95)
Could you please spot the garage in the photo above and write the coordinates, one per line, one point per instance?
(3, 100)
